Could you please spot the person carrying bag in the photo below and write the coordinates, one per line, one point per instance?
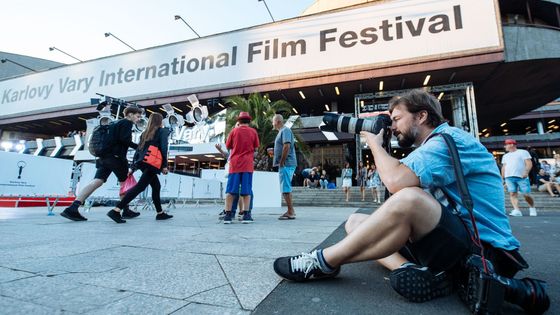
(151, 159)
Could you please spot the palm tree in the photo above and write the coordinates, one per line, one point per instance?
(261, 109)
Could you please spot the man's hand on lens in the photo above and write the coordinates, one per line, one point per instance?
(373, 139)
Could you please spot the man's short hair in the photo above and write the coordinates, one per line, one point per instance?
(418, 100)
(279, 118)
(133, 110)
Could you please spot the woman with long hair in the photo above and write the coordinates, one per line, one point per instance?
(155, 136)
(347, 180)
(374, 183)
(361, 178)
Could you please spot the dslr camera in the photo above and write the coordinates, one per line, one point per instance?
(346, 124)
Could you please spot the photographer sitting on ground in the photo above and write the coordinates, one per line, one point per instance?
(416, 233)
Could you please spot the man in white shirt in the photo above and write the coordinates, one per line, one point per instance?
(516, 165)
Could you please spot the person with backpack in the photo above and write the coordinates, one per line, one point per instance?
(151, 159)
(109, 143)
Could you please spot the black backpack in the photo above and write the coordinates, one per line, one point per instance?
(102, 140)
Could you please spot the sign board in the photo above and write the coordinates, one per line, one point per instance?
(30, 175)
(379, 34)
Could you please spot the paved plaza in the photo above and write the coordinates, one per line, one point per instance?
(193, 265)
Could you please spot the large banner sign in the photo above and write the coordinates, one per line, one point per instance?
(383, 33)
(29, 175)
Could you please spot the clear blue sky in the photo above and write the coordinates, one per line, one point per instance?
(30, 27)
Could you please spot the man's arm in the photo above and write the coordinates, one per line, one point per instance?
(285, 150)
(503, 171)
(528, 167)
(393, 173)
(219, 148)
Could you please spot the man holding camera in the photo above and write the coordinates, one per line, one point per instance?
(421, 232)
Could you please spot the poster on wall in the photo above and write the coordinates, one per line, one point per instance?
(29, 175)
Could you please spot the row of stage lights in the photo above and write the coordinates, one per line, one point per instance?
(196, 115)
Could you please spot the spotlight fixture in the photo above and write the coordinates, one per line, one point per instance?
(198, 113)
(178, 17)
(172, 120)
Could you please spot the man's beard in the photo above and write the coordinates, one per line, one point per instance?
(408, 138)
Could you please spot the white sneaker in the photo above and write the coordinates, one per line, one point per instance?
(533, 212)
(516, 213)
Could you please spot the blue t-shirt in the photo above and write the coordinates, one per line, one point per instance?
(284, 136)
(431, 162)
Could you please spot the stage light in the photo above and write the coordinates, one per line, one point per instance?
(141, 124)
(7, 145)
(172, 120)
(198, 113)
(4, 60)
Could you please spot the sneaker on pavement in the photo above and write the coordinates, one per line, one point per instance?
(163, 216)
(115, 216)
(247, 218)
(129, 214)
(228, 217)
(418, 284)
(72, 213)
(303, 267)
(533, 212)
(516, 213)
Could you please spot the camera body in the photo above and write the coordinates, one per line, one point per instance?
(482, 292)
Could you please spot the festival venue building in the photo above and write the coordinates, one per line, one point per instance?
(494, 65)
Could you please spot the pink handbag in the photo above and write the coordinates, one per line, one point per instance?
(127, 185)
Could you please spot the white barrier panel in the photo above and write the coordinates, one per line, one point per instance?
(170, 185)
(204, 188)
(29, 175)
(266, 187)
(186, 187)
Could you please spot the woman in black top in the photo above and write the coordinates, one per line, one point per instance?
(154, 135)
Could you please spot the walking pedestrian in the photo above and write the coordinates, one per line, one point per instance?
(114, 161)
(285, 159)
(374, 183)
(516, 165)
(151, 159)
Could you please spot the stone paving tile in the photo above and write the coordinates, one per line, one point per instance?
(82, 298)
(34, 288)
(203, 309)
(140, 304)
(162, 267)
(12, 306)
(222, 296)
(7, 274)
(251, 278)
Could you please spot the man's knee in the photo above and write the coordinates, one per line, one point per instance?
(353, 220)
(403, 202)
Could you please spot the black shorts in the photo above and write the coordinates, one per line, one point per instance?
(107, 165)
(444, 246)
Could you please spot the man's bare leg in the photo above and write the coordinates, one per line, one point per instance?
(514, 200)
(390, 262)
(529, 200)
(411, 213)
(288, 199)
(89, 189)
(229, 202)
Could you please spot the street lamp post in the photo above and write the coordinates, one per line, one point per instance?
(4, 60)
(67, 54)
(111, 34)
(178, 17)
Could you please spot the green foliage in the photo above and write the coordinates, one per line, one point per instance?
(262, 110)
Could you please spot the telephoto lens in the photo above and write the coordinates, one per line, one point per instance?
(347, 124)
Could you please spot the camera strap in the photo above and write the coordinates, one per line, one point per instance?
(466, 197)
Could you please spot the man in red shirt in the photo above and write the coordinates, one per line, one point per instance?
(242, 142)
